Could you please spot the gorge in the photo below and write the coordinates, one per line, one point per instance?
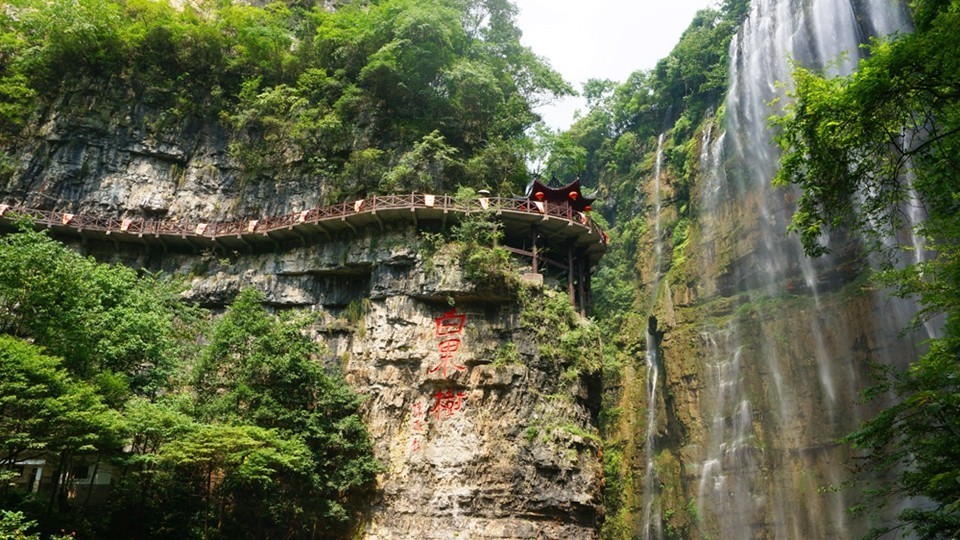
(708, 390)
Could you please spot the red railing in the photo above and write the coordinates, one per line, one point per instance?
(213, 230)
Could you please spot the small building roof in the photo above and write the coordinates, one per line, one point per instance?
(555, 193)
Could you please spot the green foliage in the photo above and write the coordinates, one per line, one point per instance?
(267, 443)
(370, 97)
(606, 146)
(860, 134)
(99, 318)
(490, 267)
(431, 242)
(507, 354)
(16, 526)
(477, 233)
(580, 432)
(615, 494)
(425, 168)
(46, 410)
(916, 440)
(891, 133)
(263, 371)
(356, 311)
(614, 282)
(564, 336)
(16, 99)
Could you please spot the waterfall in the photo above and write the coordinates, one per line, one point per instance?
(651, 516)
(729, 473)
(781, 374)
(657, 232)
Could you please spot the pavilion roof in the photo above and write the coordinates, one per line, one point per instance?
(556, 193)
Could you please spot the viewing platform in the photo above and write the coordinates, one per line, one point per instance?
(524, 220)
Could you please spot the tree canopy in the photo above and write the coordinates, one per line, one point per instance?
(327, 92)
(605, 145)
(245, 436)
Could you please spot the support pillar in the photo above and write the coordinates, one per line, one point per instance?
(533, 242)
(573, 299)
(581, 286)
(588, 300)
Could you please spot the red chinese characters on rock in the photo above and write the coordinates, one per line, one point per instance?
(417, 425)
(448, 330)
(417, 419)
(447, 403)
(448, 327)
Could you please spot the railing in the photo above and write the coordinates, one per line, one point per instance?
(223, 229)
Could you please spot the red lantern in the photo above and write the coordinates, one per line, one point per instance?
(573, 195)
(587, 208)
(538, 195)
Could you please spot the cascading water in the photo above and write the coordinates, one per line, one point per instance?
(729, 473)
(651, 516)
(782, 373)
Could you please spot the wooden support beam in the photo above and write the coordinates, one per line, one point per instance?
(588, 300)
(352, 228)
(533, 235)
(273, 241)
(296, 232)
(162, 243)
(193, 247)
(573, 299)
(323, 228)
(581, 286)
(245, 243)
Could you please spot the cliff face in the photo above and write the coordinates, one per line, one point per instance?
(756, 379)
(482, 428)
(97, 149)
(762, 352)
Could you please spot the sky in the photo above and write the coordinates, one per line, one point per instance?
(601, 39)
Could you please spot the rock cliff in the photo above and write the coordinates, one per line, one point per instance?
(97, 149)
(485, 432)
(483, 426)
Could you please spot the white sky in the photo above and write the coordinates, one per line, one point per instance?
(601, 39)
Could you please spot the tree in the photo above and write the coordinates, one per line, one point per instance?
(105, 321)
(15, 526)
(46, 413)
(865, 149)
(244, 476)
(44, 409)
(261, 370)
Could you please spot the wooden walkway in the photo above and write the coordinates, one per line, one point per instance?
(560, 224)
